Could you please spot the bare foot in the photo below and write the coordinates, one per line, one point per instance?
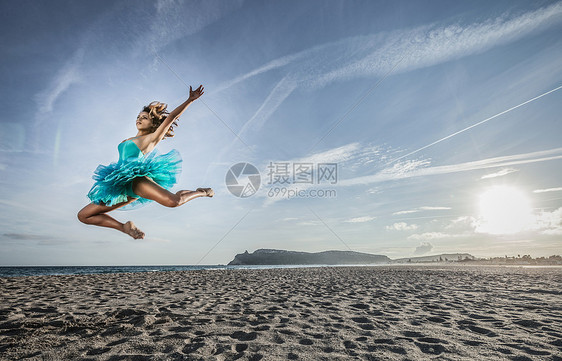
(132, 230)
(208, 191)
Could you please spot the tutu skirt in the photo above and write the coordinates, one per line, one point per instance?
(113, 183)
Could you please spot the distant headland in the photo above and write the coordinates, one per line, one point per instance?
(282, 257)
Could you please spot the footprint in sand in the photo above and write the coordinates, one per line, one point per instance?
(360, 306)
(241, 347)
(436, 319)
(244, 336)
(98, 351)
(192, 347)
(434, 349)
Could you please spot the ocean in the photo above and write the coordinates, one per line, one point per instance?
(21, 271)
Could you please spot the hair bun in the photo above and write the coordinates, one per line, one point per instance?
(157, 113)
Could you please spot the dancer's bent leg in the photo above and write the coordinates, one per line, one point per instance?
(147, 188)
(95, 214)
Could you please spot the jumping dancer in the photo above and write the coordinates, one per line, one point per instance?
(141, 175)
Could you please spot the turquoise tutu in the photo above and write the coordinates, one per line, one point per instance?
(113, 183)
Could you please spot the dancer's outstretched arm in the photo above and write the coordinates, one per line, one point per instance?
(159, 133)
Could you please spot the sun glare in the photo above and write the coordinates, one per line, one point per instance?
(504, 210)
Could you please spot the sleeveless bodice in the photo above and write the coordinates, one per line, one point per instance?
(128, 149)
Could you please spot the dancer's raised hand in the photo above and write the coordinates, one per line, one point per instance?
(194, 94)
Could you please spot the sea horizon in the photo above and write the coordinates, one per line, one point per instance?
(22, 271)
(27, 271)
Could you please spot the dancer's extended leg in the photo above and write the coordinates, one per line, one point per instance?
(147, 188)
(95, 214)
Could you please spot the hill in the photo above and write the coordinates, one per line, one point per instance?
(445, 257)
(281, 257)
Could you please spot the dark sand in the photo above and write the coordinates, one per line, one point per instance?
(343, 313)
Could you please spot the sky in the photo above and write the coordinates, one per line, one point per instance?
(403, 128)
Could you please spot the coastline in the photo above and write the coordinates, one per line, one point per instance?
(335, 313)
(31, 271)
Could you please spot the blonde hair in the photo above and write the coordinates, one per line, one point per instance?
(157, 113)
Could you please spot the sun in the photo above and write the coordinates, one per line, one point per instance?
(503, 210)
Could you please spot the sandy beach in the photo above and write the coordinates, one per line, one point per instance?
(328, 313)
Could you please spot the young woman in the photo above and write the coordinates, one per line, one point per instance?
(141, 175)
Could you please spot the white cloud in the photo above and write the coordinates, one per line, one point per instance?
(553, 231)
(500, 173)
(434, 208)
(402, 226)
(168, 24)
(543, 222)
(401, 169)
(516, 159)
(423, 248)
(547, 190)
(360, 219)
(309, 223)
(69, 74)
(377, 54)
(405, 212)
(335, 155)
(549, 221)
(434, 235)
(408, 169)
(404, 50)
(429, 45)
(274, 64)
(462, 223)
(286, 219)
(419, 209)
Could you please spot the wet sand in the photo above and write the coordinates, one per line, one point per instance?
(332, 313)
